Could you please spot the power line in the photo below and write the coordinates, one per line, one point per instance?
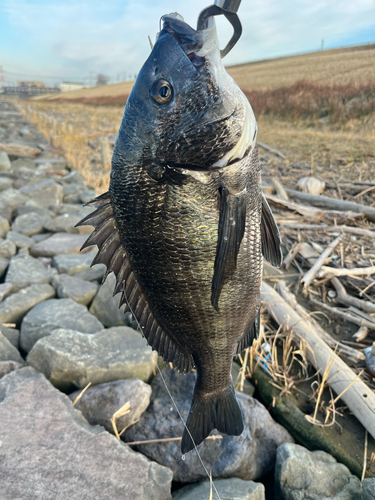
(33, 75)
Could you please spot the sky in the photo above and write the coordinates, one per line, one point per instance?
(74, 40)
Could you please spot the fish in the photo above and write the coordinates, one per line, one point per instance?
(184, 225)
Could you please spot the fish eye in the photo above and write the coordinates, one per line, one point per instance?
(161, 92)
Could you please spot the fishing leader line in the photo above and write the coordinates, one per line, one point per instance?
(139, 328)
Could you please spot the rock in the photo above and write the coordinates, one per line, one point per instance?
(69, 287)
(311, 185)
(4, 226)
(72, 193)
(14, 307)
(44, 193)
(8, 352)
(99, 403)
(5, 288)
(73, 208)
(30, 224)
(49, 451)
(4, 263)
(105, 306)
(72, 263)
(304, 475)
(87, 196)
(5, 183)
(20, 240)
(7, 249)
(71, 359)
(96, 273)
(12, 334)
(24, 270)
(13, 198)
(228, 489)
(248, 456)
(368, 489)
(67, 222)
(28, 208)
(5, 164)
(59, 243)
(9, 366)
(73, 177)
(53, 314)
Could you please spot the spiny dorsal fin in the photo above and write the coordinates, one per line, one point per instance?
(230, 233)
(271, 239)
(112, 254)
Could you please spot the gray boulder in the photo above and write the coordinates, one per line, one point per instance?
(67, 222)
(106, 307)
(20, 240)
(96, 273)
(49, 451)
(304, 475)
(99, 403)
(44, 193)
(4, 226)
(29, 224)
(8, 352)
(5, 288)
(71, 359)
(9, 366)
(72, 192)
(5, 183)
(14, 307)
(5, 164)
(12, 334)
(7, 249)
(248, 456)
(13, 198)
(72, 263)
(29, 207)
(24, 270)
(59, 243)
(228, 489)
(368, 489)
(70, 287)
(73, 177)
(53, 314)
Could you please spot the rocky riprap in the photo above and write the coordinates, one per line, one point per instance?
(61, 329)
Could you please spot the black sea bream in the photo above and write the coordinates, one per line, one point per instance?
(184, 223)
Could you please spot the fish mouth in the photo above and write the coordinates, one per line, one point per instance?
(195, 43)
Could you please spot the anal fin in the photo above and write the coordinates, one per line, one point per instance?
(248, 339)
(270, 235)
(231, 229)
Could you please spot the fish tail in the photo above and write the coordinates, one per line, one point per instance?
(221, 412)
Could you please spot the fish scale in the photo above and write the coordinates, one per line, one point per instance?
(186, 214)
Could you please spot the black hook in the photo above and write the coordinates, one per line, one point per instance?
(229, 9)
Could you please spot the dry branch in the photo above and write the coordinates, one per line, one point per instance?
(280, 190)
(343, 315)
(344, 298)
(343, 271)
(20, 150)
(291, 255)
(311, 274)
(330, 229)
(357, 396)
(274, 151)
(331, 203)
(290, 298)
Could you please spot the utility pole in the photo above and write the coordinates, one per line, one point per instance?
(1, 76)
(322, 47)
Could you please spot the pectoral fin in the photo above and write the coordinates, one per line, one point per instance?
(230, 233)
(271, 239)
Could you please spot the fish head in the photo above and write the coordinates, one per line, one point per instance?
(184, 109)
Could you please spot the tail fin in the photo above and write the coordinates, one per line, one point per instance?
(222, 412)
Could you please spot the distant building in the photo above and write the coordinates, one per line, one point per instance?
(68, 86)
(39, 85)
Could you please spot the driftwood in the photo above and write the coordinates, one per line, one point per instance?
(344, 298)
(352, 390)
(343, 271)
(311, 274)
(291, 255)
(280, 190)
(314, 214)
(331, 203)
(344, 315)
(330, 229)
(20, 150)
(291, 299)
(274, 151)
(361, 334)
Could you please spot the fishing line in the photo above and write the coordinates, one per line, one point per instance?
(139, 328)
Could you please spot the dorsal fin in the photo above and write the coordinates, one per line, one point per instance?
(271, 239)
(112, 254)
(230, 233)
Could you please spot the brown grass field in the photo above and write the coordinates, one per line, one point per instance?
(317, 109)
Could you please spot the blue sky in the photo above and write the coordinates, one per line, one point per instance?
(75, 40)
